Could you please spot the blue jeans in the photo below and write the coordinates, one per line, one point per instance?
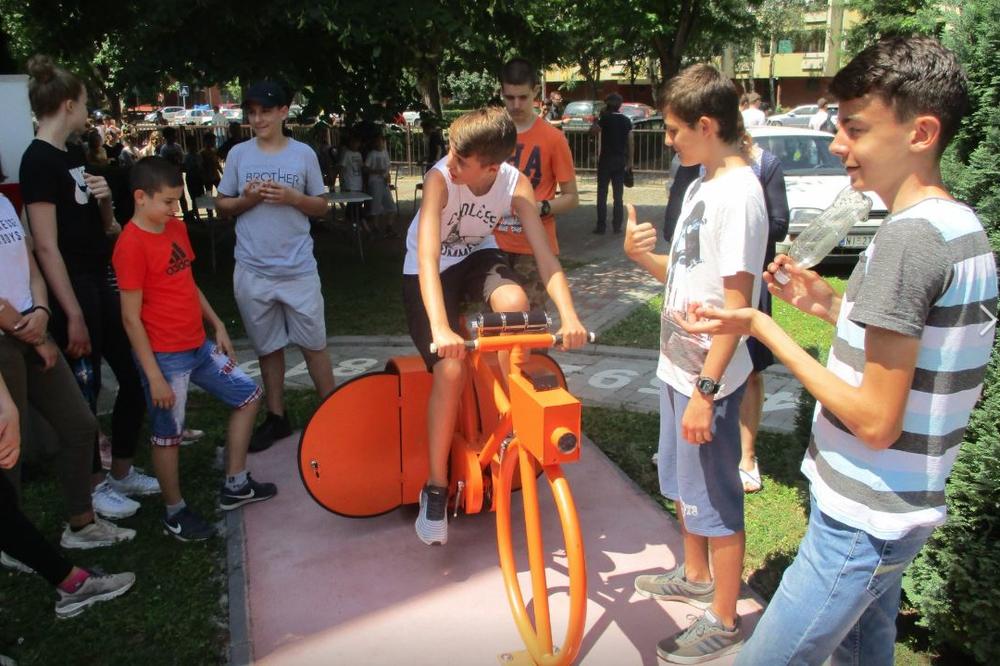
(838, 599)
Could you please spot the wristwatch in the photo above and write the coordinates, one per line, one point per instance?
(546, 208)
(707, 385)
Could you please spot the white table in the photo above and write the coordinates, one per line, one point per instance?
(353, 214)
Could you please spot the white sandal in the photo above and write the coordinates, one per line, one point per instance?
(752, 482)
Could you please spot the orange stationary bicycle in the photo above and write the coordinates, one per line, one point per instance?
(364, 453)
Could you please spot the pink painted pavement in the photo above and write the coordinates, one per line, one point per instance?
(323, 589)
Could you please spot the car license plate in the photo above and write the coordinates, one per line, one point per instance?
(859, 242)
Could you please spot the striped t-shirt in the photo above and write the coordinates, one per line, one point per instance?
(929, 273)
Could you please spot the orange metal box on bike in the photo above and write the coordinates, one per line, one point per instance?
(541, 418)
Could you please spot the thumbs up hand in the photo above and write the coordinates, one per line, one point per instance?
(640, 239)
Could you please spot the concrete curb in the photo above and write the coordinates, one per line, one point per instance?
(240, 645)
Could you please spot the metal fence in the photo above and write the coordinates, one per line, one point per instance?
(408, 146)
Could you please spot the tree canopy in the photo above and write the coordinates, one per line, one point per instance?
(368, 58)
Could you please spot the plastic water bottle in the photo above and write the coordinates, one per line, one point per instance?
(829, 228)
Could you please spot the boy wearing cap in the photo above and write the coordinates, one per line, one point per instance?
(272, 184)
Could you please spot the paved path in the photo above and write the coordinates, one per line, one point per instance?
(312, 587)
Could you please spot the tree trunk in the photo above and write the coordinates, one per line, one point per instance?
(429, 86)
(770, 71)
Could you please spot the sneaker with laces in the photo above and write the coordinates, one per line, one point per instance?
(15, 564)
(186, 525)
(95, 535)
(252, 491)
(134, 484)
(432, 520)
(191, 435)
(706, 639)
(673, 586)
(98, 587)
(267, 433)
(109, 503)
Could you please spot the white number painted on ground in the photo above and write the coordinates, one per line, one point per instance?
(252, 368)
(354, 366)
(655, 382)
(569, 368)
(779, 401)
(299, 369)
(612, 379)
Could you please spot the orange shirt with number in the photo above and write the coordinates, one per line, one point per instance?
(543, 155)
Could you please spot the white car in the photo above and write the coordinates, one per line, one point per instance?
(813, 178)
(193, 117)
(411, 117)
(168, 113)
(233, 114)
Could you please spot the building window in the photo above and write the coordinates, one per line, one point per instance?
(798, 41)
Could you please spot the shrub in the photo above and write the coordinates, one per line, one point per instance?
(953, 581)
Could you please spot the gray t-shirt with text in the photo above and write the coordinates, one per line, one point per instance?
(273, 239)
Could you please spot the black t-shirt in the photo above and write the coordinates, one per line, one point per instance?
(50, 175)
(614, 138)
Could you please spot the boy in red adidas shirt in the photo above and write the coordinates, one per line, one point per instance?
(163, 312)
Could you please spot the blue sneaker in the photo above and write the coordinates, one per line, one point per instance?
(251, 491)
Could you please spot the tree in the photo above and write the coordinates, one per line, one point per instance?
(888, 18)
(953, 579)
(777, 18)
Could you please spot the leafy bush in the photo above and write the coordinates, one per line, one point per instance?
(953, 581)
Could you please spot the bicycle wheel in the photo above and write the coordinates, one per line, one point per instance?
(537, 637)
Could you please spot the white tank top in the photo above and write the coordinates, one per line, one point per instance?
(467, 220)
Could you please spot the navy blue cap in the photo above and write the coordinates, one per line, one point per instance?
(266, 93)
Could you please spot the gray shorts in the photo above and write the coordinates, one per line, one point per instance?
(705, 478)
(279, 311)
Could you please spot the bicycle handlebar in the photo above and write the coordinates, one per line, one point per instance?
(529, 340)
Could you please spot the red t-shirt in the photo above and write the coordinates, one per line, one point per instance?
(543, 155)
(160, 266)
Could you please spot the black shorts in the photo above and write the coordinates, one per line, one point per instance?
(473, 279)
(761, 357)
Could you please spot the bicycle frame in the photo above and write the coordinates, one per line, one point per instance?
(510, 425)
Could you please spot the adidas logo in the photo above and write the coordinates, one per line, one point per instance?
(178, 260)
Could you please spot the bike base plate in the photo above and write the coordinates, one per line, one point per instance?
(518, 658)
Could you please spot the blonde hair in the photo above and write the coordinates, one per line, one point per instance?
(488, 133)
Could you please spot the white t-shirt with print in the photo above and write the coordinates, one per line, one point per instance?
(721, 231)
(15, 282)
(350, 171)
(467, 220)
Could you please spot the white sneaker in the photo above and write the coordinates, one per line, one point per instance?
(99, 533)
(15, 564)
(110, 503)
(134, 484)
(190, 436)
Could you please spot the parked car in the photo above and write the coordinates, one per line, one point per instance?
(168, 113)
(581, 114)
(648, 150)
(233, 114)
(411, 117)
(813, 178)
(193, 117)
(801, 115)
(637, 111)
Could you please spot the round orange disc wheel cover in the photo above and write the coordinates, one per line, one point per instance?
(349, 454)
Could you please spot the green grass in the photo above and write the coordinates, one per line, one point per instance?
(175, 614)
(642, 327)
(361, 298)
